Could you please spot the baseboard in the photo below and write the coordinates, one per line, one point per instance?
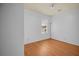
(37, 41)
(64, 41)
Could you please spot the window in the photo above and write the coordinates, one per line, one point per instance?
(44, 26)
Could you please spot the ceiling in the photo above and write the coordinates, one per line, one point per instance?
(47, 9)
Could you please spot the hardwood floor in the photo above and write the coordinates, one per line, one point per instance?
(51, 47)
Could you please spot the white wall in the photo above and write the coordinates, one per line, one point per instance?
(65, 26)
(32, 26)
(11, 29)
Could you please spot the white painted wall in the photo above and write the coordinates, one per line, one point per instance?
(32, 26)
(11, 29)
(65, 26)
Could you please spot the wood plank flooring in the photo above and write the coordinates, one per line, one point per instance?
(51, 47)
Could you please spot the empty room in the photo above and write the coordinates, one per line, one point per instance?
(51, 29)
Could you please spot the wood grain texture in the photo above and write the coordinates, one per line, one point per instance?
(51, 47)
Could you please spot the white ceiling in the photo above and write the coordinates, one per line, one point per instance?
(46, 8)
